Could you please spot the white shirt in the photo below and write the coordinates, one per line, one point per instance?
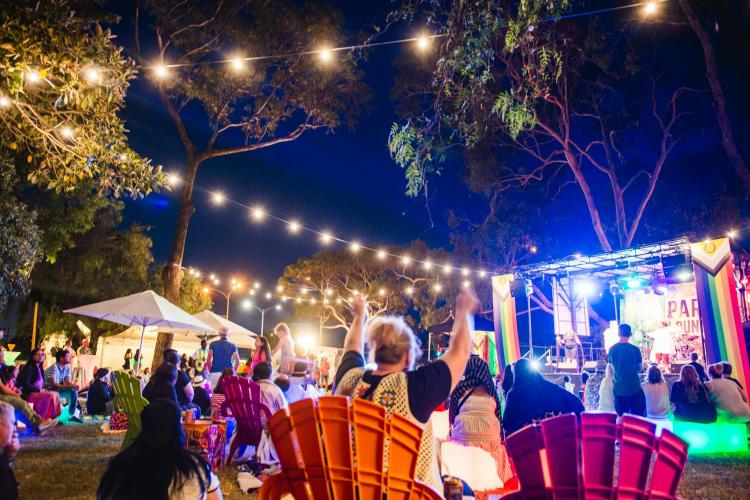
(727, 398)
(191, 489)
(657, 399)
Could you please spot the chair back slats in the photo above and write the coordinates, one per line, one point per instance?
(637, 442)
(369, 422)
(525, 447)
(287, 449)
(333, 413)
(598, 435)
(671, 457)
(560, 435)
(128, 396)
(243, 398)
(304, 417)
(403, 451)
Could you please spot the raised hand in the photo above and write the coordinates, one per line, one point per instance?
(359, 307)
(467, 302)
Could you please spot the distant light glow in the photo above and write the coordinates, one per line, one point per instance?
(633, 283)
(535, 364)
(447, 268)
(533, 249)
(382, 254)
(329, 292)
(306, 341)
(437, 287)
(123, 157)
(278, 307)
(237, 63)
(585, 287)
(464, 272)
(268, 295)
(32, 76)
(423, 42)
(173, 179)
(483, 274)
(67, 132)
(4, 101)
(409, 290)
(466, 283)
(427, 265)
(684, 276)
(161, 71)
(338, 301)
(382, 292)
(731, 234)
(650, 8)
(279, 288)
(405, 260)
(257, 285)
(247, 304)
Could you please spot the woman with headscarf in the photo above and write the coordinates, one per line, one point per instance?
(474, 415)
(606, 390)
(157, 464)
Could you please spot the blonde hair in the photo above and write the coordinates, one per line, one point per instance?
(282, 327)
(389, 338)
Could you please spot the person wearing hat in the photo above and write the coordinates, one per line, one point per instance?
(222, 354)
(201, 396)
(299, 384)
(100, 395)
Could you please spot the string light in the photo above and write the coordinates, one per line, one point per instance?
(533, 249)
(279, 288)
(92, 75)
(326, 55)
(447, 268)
(381, 254)
(329, 292)
(294, 226)
(32, 76)
(355, 246)
(173, 179)
(4, 101)
(326, 237)
(268, 295)
(464, 272)
(218, 199)
(427, 265)
(338, 301)
(161, 71)
(382, 292)
(237, 63)
(423, 42)
(650, 8)
(482, 273)
(731, 234)
(67, 132)
(405, 260)
(123, 157)
(258, 214)
(409, 290)
(466, 283)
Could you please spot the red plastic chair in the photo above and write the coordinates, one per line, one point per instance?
(581, 465)
(330, 451)
(243, 398)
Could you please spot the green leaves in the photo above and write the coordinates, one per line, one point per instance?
(65, 82)
(408, 149)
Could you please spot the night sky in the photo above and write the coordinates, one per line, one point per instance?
(346, 181)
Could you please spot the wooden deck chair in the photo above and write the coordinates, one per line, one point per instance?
(330, 450)
(554, 445)
(243, 398)
(128, 397)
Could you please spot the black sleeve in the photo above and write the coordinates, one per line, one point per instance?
(182, 380)
(573, 403)
(350, 360)
(429, 386)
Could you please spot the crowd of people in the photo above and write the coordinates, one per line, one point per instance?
(481, 410)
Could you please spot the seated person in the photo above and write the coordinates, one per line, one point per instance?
(201, 396)
(533, 398)
(300, 386)
(698, 367)
(689, 397)
(726, 372)
(58, 379)
(726, 396)
(656, 390)
(12, 396)
(157, 464)
(100, 395)
(30, 381)
(161, 385)
(9, 446)
(270, 394)
(183, 387)
(606, 390)
(474, 415)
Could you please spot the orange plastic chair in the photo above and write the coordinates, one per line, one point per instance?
(243, 398)
(562, 458)
(330, 450)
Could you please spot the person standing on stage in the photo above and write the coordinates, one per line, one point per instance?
(663, 346)
(627, 362)
(570, 343)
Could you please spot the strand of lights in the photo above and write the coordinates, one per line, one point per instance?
(259, 214)
(238, 63)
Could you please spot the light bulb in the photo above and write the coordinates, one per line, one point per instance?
(258, 214)
(447, 268)
(4, 101)
(218, 198)
(650, 8)
(437, 287)
(326, 237)
(381, 254)
(161, 71)
(294, 226)
(92, 75)
(405, 260)
(32, 76)
(409, 290)
(237, 64)
(427, 265)
(355, 246)
(423, 42)
(67, 132)
(173, 179)
(326, 55)
(464, 272)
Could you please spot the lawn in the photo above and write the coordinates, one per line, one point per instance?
(69, 463)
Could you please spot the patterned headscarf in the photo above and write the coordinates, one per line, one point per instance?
(477, 374)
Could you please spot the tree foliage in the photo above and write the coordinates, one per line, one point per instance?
(62, 83)
(548, 101)
(266, 102)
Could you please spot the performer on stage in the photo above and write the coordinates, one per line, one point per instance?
(570, 343)
(663, 346)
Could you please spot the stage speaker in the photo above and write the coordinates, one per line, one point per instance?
(517, 288)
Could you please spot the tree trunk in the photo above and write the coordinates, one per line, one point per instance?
(596, 220)
(163, 341)
(720, 103)
(173, 273)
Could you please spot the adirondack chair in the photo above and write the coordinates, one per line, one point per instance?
(243, 398)
(330, 450)
(562, 458)
(128, 396)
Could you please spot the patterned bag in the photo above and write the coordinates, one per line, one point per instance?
(118, 421)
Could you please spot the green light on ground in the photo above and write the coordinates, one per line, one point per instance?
(719, 437)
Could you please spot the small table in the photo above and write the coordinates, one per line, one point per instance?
(208, 438)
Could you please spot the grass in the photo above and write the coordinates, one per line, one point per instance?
(69, 463)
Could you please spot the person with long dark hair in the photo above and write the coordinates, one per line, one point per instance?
(475, 415)
(127, 360)
(161, 385)
(690, 399)
(30, 381)
(157, 465)
(262, 353)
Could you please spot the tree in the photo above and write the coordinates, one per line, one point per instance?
(720, 103)
(62, 83)
(264, 103)
(547, 100)
(19, 240)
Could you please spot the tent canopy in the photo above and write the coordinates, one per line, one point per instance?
(217, 322)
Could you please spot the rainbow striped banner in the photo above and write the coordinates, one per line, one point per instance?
(719, 306)
(504, 312)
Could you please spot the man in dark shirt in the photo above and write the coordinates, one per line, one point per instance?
(698, 367)
(182, 386)
(627, 362)
(532, 398)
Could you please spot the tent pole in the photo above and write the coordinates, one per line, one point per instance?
(140, 351)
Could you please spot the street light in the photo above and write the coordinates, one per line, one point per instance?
(236, 285)
(249, 304)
